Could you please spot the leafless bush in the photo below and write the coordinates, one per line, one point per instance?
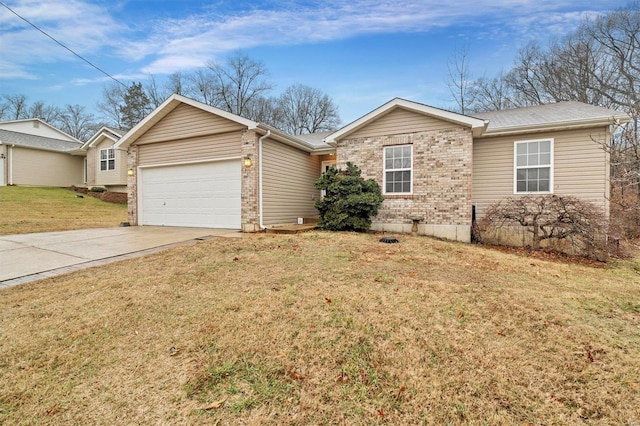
(562, 222)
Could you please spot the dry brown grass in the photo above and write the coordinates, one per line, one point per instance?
(24, 210)
(324, 328)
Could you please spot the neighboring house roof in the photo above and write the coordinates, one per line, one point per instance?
(477, 125)
(561, 115)
(104, 132)
(19, 126)
(174, 100)
(7, 137)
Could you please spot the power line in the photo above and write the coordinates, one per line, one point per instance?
(62, 45)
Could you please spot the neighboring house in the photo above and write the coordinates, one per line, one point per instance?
(195, 165)
(106, 166)
(34, 153)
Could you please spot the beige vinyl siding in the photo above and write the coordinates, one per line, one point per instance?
(32, 167)
(118, 176)
(401, 121)
(579, 166)
(227, 145)
(289, 175)
(186, 121)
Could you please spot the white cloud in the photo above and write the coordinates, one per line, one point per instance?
(83, 27)
(186, 42)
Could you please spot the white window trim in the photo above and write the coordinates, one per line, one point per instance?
(516, 168)
(100, 160)
(384, 170)
(323, 165)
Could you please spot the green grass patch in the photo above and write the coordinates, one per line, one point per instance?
(25, 209)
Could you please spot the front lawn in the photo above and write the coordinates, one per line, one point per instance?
(324, 328)
(24, 210)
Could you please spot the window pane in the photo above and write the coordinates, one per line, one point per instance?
(112, 164)
(544, 173)
(406, 176)
(389, 187)
(521, 149)
(406, 187)
(406, 151)
(532, 186)
(522, 186)
(521, 175)
(388, 164)
(522, 160)
(103, 165)
(532, 147)
(406, 163)
(103, 154)
(545, 146)
(532, 160)
(545, 158)
(397, 163)
(543, 185)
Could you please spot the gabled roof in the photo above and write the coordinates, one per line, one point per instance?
(104, 132)
(477, 125)
(174, 100)
(15, 125)
(169, 105)
(561, 115)
(7, 137)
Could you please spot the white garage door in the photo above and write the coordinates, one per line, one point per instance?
(203, 195)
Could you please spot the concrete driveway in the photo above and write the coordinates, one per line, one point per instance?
(28, 257)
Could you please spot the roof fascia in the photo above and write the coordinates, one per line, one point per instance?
(103, 132)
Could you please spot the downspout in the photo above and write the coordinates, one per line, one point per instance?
(262, 138)
(10, 163)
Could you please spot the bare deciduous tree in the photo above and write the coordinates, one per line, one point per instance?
(77, 122)
(304, 109)
(459, 79)
(16, 107)
(50, 114)
(238, 82)
(112, 99)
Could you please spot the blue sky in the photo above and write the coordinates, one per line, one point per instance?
(360, 52)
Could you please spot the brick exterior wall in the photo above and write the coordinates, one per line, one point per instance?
(249, 192)
(132, 185)
(442, 181)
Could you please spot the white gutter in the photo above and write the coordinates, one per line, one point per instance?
(266, 135)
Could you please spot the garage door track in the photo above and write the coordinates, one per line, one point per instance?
(29, 257)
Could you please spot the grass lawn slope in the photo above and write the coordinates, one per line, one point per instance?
(24, 210)
(322, 329)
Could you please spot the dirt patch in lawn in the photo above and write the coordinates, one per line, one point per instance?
(324, 328)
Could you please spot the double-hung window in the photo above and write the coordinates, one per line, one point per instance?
(107, 159)
(533, 166)
(398, 169)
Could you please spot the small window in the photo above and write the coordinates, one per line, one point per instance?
(533, 166)
(107, 159)
(398, 169)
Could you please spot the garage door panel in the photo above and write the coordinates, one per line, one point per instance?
(197, 195)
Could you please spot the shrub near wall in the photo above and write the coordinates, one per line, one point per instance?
(349, 201)
(563, 223)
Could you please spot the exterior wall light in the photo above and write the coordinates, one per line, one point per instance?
(247, 162)
(2, 157)
(129, 172)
